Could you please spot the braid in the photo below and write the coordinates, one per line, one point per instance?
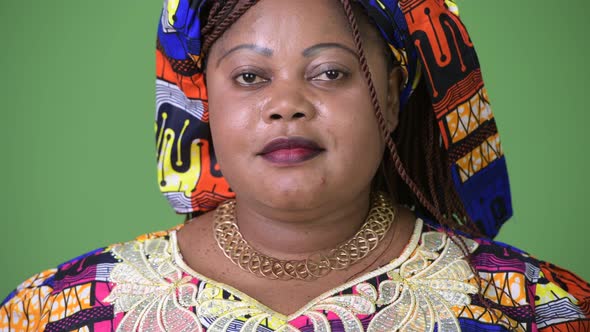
(423, 169)
(219, 22)
(427, 161)
(430, 155)
(419, 149)
(381, 118)
(214, 16)
(395, 156)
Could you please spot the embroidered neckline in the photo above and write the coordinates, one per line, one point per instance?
(155, 290)
(405, 254)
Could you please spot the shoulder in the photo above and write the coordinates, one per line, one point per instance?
(524, 291)
(54, 295)
(67, 297)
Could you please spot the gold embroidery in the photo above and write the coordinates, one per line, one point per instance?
(155, 295)
(347, 308)
(419, 293)
(224, 312)
(150, 289)
(425, 288)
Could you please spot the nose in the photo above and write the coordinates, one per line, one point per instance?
(288, 103)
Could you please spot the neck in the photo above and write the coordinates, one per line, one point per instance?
(289, 234)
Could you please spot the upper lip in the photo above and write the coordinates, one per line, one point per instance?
(287, 143)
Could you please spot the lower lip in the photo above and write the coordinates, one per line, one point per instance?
(291, 156)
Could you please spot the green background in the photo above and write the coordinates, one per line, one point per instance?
(77, 131)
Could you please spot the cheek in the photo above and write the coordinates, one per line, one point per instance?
(229, 124)
(232, 110)
(364, 140)
(358, 137)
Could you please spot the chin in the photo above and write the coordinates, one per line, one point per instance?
(299, 189)
(292, 193)
(295, 198)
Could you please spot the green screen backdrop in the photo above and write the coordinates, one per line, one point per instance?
(77, 133)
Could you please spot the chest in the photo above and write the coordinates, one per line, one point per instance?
(162, 293)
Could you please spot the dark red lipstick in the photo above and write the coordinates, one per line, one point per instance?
(290, 150)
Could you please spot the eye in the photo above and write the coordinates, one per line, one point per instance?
(330, 75)
(249, 79)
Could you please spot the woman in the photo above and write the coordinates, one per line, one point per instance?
(367, 174)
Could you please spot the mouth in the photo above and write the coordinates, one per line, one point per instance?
(290, 150)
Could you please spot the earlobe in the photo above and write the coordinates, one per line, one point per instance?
(394, 85)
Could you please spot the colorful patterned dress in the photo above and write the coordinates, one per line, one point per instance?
(144, 285)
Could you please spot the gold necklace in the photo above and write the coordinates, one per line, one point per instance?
(236, 248)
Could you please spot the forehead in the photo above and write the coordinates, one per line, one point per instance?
(289, 24)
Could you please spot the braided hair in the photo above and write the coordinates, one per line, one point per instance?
(415, 169)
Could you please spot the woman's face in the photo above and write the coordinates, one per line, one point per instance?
(291, 117)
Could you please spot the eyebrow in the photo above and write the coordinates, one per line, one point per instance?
(267, 52)
(256, 48)
(319, 47)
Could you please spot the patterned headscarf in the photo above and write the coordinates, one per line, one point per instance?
(427, 38)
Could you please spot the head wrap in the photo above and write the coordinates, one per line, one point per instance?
(428, 39)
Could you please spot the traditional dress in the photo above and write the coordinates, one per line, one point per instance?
(144, 285)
